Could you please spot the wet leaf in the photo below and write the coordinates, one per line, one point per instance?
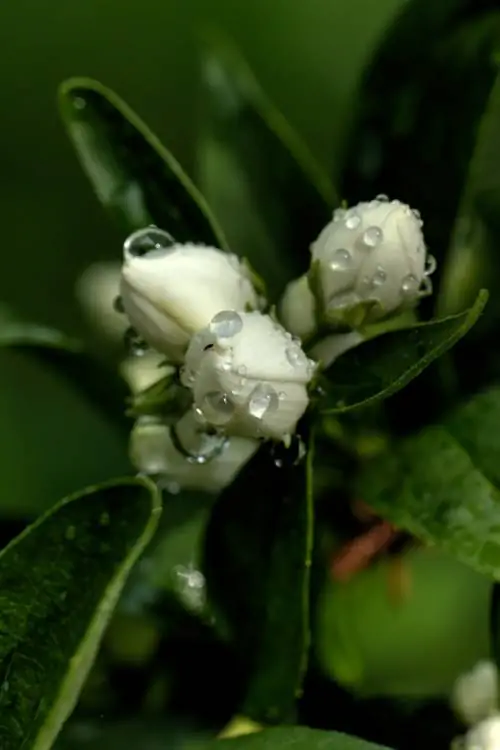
(257, 562)
(60, 581)
(272, 196)
(133, 175)
(298, 738)
(443, 484)
(383, 365)
(69, 358)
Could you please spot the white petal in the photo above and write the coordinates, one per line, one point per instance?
(297, 308)
(475, 694)
(485, 736)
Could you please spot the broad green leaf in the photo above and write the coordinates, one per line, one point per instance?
(133, 175)
(383, 365)
(257, 561)
(68, 358)
(59, 583)
(298, 738)
(272, 196)
(443, 484)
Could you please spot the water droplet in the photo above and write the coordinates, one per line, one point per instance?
(409, 286)
(118, 305)
(198, 414)
(104, 520)
(426, 288)
(382, 197)
(173, 488)
(219, 406)
(79, 102)
(263, 399)
(242, 370)
(150, 242)
(295, 356)
(430, 266)
(70, 533)
(373, 236)
(226, 324)
(135, 345)
(278, 462)
(341, 260)
(379, 277)
(352, 220)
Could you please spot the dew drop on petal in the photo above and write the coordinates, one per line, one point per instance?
(226, 324)
(379, 277)
(382, 197)
(373, 236)
(217, 407)
(149, 242)
(295, 356)
(263, 399)
(134, 344)
(341, 260)
(352, 220)
(430, 266)
(409, 286)
(118, 305)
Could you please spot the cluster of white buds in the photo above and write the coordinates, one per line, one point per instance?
(368, 263)
(475, 701)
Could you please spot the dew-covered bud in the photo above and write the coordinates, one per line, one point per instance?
(484, 736)
(185, 456)
(298, 308)
(475, 694)
(169, 291)
(248, 375)
(370, 261)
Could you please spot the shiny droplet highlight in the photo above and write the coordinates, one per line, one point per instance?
(226, 324)
(263, 399)
(148, 242)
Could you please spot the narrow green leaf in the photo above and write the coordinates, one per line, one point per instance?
(166, 397)
(133, 175)
(257, 561)
(298, 738)
(383, 365)
(59, 583)
(272, 196)
(443, 484)
(68, 357)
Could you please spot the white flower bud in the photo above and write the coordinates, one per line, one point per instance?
(214, 460)
(370, 261)
(298, 308)
(171, 292)
(248, 375)
(484, 736)
(475, 694)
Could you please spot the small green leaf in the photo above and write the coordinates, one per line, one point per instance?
(257, 562)
(133, 175)
(383, 365)
(298, 738)
(68, 357)
(59, 583)
(443, 484)
(166, 397)
(272, 196)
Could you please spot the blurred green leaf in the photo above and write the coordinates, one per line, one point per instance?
(257, 562)
(166, 397)
(443, 484)
(68, 357)
(300, 738)
(60, 581)
(272, 196)
(133, 175)
(383, 365)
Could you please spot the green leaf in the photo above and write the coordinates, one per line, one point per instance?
(166, 397)
(59, 583)
(257, 561)
(298, 738)
(443, 484)
(383, 365)
(133, 175)
(272, 196)
(68, 358)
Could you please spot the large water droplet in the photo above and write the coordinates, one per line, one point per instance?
(118, 305)
(379, 277)
(134, 344)
(373, 236)
(409, 286)
(430, 265)
(263, 399)
(382, 197)
(341, 260)
(204, 448)
(226, 324)
(217, 407)
(352, 220)
(295, 356)
(150, 242)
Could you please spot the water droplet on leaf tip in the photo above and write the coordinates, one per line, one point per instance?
(372, 236)
(226, 324)
(262, 399)
(150, 242)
